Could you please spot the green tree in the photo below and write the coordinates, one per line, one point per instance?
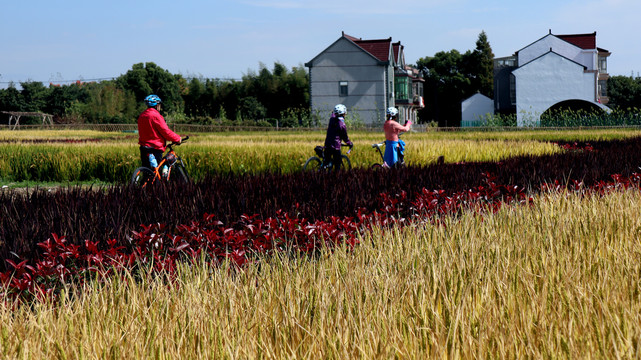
(229, 95)
(445, 87)
(451, 77)
(193, 97)
(61, 98)
(35, 96)
(478, 65)
(149, 78)
(108, 104)
(252, 109)
(624, 92)
(11, 99)
(278, 90)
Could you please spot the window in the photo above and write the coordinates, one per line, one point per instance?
(402, 88)
(603, 64)
(603, 88)
(391, 92)
(343, 88)
(513, 89)
(505, 62)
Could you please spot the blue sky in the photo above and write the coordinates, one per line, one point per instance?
(52, 41)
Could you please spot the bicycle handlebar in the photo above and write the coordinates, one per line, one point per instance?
(171, 145)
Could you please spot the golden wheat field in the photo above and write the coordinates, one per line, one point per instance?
(90, 156)
(559, 278)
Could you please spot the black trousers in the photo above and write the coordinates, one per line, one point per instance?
(335, 157)
(144, 156)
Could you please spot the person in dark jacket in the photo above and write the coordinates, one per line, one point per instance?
(336, 132)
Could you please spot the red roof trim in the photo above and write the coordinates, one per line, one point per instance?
(351, 37)
(379, 48)
(584, 41)
(397, 51)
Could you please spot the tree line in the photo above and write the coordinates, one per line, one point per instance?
(259, 98)
(268, 97)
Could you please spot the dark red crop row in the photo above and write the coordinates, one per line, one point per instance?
(159, 248)
(81, 215)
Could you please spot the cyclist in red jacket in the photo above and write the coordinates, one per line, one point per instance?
(153, 132)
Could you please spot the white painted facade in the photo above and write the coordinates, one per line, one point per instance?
(552, 70)
(475, 109)
(585, 57)
(548, 80)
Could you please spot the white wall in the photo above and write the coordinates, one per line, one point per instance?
(547, 81)
(475, 108)
(587, 58)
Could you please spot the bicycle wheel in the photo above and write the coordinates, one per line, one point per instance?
(347, 165)
(184, 168)
(142, 176)
(312, 164)
(178, 174)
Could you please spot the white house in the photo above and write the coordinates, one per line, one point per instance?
(555, 69)
(475, 109)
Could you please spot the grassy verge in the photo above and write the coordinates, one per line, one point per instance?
(559, 278)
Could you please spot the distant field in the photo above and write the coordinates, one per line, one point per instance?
(86, 156)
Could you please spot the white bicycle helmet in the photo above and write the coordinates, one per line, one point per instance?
(392, 111)
(340, 109)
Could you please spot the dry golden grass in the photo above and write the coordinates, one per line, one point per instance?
(558, 279)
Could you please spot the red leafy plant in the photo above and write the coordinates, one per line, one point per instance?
(576, 146)
(157, 248)
(160, 249)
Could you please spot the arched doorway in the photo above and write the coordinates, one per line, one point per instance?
(574, 112)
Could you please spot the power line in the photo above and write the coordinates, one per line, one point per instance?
(107, 78)
(58, 81)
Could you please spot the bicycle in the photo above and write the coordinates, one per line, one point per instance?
(383, 164)
(170, 168)
(317, 162)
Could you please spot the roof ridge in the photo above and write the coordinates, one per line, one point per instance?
(353, 38)
(374, 47)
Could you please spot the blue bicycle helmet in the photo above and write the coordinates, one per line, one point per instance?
(152, 100)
